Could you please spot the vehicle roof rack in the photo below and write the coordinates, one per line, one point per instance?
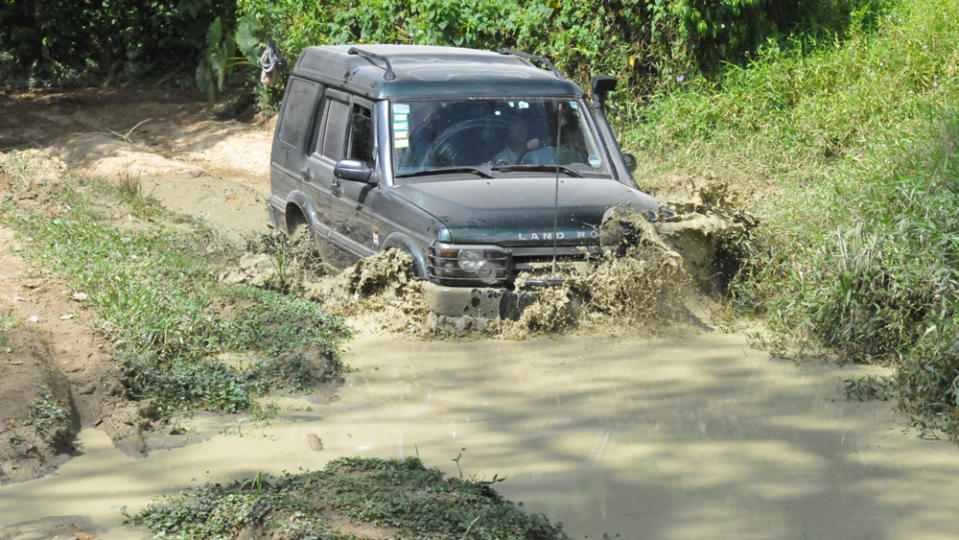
(542, 59)
(388, 75)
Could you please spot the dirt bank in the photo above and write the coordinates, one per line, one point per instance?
(56, 373)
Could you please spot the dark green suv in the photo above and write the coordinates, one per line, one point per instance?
(476, 163)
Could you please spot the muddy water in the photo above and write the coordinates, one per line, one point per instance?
(234, 207)
(686, 436)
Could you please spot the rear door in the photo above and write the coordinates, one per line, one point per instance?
(329, 144)
(291, 137)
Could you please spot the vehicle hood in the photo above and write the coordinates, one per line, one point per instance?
(520, 210)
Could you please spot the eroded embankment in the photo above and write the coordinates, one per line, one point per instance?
(650, 273)
(57, 374)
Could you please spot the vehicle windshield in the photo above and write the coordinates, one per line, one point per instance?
(495, 135)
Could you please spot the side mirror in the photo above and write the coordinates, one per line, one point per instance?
(630, 161)
(352, 169)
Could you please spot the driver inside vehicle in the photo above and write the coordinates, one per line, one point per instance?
(517, 144)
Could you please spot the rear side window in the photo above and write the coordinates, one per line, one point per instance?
(298, 111)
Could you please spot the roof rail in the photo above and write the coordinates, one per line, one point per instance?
(542, 59)
(389, 75)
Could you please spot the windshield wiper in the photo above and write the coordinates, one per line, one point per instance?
(445, 170)
(538, 167)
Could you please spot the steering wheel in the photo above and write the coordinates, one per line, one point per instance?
(460, 143)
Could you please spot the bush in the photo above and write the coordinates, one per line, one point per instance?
(62, 42)
(647, 43)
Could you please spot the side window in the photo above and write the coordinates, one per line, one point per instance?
(334, 138)
(299, 108)
(361, 138)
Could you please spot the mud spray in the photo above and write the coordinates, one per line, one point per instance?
(650, 274)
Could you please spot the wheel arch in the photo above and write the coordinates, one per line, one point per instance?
(401, 241)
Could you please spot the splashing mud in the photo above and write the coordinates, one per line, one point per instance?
(646, 275)
(709, 231)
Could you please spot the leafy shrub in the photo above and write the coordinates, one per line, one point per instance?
(62, 41)
(648, 43)
(853, 145)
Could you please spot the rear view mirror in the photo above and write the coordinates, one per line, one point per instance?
(352, 169)
(630, 161)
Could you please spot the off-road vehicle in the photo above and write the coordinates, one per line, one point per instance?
(476, 163)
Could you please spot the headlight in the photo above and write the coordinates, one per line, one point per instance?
(488, 264)
(470, 259)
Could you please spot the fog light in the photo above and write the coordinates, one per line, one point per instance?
(486, 272)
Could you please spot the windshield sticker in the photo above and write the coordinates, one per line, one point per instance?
(573, 105)
(594, 161)
(401, 108)
(400, 126)
(401, 143)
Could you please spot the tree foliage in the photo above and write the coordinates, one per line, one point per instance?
(647, 42)
(62, 41)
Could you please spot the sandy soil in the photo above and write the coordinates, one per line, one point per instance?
(217, 171)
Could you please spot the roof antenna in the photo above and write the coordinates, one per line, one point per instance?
(559, 131)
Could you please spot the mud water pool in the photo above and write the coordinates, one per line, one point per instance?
(681, 436)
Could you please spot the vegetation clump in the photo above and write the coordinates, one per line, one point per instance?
(367, 498)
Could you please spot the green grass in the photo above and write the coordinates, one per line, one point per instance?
(849, 150)
(419, 502)
(8, 321)
(158, 301)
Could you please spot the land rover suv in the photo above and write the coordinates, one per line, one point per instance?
(478, 164)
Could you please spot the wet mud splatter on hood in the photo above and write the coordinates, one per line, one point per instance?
(645, 277)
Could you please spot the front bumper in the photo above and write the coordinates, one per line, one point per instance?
(485, 302)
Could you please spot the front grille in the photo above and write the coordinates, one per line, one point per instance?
(525, 258)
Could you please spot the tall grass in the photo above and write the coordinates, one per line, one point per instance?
(850, 150)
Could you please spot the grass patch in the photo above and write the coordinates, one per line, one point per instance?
(8, 321)
(154, 289)
(400, 495)
(850, 150)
